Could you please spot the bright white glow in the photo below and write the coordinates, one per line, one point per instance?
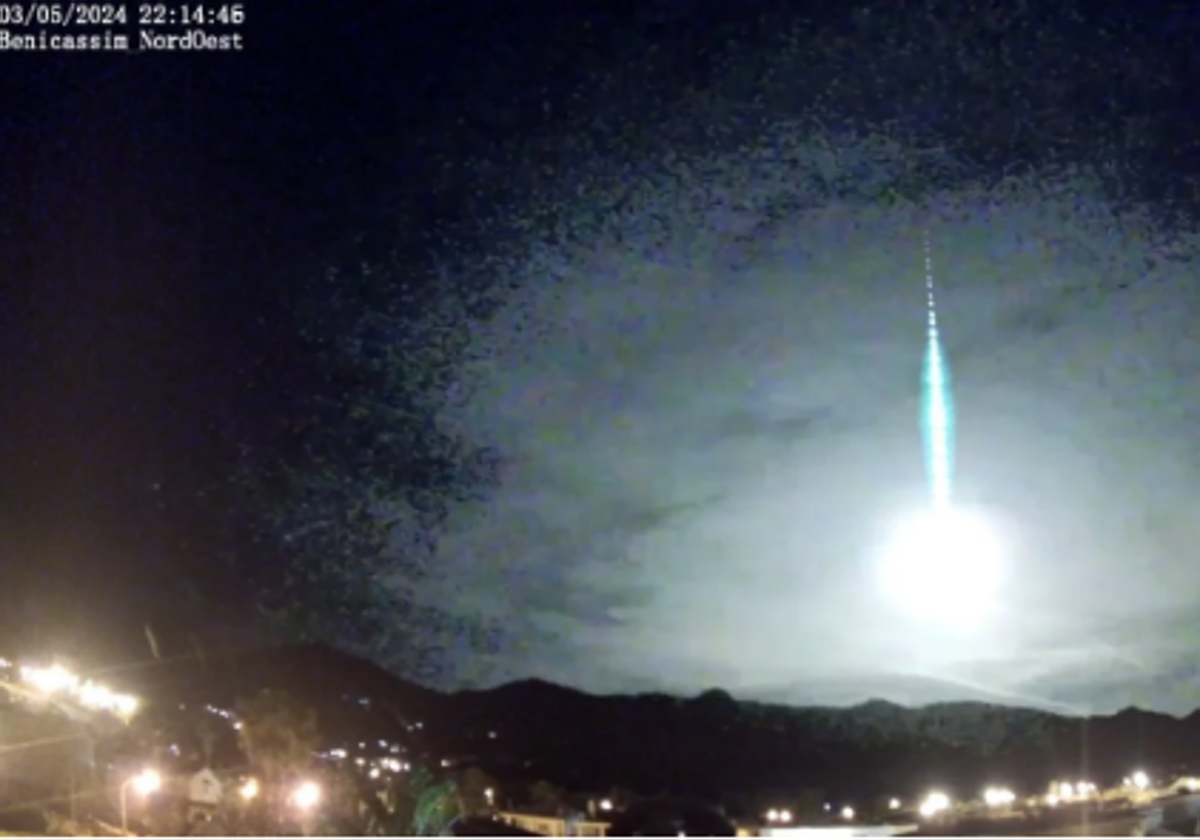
(249, 789)
(934, 804)
(146, 782)
(306, 796)
(1140, 780)
(50, 680)
(772, 815)
(104, 699)
(57, 680)
(605, 804)
(785, 816)
(893, 804)
(999, 797)
(945, 566)
(847, 813)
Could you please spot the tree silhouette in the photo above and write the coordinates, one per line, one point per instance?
(42, 750)
(436, 805)
(278, 736)
(546, 797)
(810, 802)
(473, 785)
(207, 731)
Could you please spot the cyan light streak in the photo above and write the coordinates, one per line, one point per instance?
(937, 402)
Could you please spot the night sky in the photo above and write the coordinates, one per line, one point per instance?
(698, 230)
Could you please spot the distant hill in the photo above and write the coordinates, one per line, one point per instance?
(354, 698)
(705, 745)
(308, 668)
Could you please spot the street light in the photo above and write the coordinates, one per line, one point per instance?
(50, 680)
(249, 789)
(306, 796)
(934, 804)
(143, 784)
(999, 797)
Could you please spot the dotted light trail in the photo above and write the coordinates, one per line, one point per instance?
(937, 402)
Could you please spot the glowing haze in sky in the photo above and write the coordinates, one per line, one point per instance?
(703, 384)
(711, 443)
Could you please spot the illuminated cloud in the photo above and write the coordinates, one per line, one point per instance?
(705, 462)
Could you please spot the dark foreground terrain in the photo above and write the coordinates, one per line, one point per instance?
(705, 745)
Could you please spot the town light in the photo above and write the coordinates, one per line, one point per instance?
(606, 805)
(58, 681)
(143, 784)
(306, 796)
(249, 789)
(50, 680)
(999, 797)
(146, 782)
(1140, 780)
(772, 815)
(893, 804)
(785, 816)
(934, 804)
(847, 813)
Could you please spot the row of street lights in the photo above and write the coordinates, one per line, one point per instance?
(305, 796)
(57, 681)
(937, 803)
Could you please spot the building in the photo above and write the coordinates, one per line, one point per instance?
(554, 826)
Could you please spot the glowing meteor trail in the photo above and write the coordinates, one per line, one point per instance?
(943, 565)
(937, 401)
